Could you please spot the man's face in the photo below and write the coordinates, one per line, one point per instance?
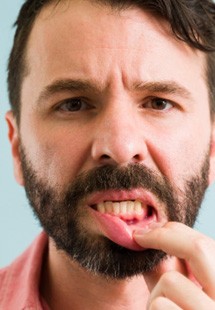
(115, 131)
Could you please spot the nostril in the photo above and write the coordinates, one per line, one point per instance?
(137, 158)
(106, 159)
(105, 156)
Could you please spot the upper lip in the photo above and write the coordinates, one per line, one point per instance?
(144, 196)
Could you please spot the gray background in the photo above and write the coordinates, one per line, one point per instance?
(17, 224)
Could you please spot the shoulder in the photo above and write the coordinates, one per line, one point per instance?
(3, 276)
(17, 278)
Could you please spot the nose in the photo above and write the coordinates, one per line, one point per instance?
(119, 138)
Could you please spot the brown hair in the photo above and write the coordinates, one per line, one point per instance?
(192, 21)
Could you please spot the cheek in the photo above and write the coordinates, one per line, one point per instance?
(180, 155)
(57, 156)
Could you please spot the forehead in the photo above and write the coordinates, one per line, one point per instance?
(80, 38)
(86, 23)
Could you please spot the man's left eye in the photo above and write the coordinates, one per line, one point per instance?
(158, 104)
(73, 105)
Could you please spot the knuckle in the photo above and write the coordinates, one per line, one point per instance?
(202, 245)
(157, 304)
(173, 225)
(169, 279)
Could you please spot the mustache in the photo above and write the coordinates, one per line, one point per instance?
(110, 177)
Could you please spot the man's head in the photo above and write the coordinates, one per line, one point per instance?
(112, 128)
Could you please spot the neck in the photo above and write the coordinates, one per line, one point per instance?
(65, 285)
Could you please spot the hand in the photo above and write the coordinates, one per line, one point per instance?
(173, 289)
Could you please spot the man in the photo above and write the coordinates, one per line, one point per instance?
(112, 135)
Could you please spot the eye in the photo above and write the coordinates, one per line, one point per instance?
(73, 105)
(158, 104)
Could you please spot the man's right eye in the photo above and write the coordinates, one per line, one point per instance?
(73, 105)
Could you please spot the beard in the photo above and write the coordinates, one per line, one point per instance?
(62, 215)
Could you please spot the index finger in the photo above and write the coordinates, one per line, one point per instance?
(178, 240)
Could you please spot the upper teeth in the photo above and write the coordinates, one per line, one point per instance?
(126, 209)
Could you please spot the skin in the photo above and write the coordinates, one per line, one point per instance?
(115, 51)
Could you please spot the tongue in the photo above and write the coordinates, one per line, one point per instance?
(117, 230)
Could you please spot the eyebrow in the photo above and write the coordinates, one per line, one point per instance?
(164, 87)
(75, 85)
(66, 85)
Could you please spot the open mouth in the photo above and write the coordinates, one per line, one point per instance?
(132, 212)
(117, 214)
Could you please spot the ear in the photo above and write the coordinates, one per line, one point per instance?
(212, 156)
(13, 135)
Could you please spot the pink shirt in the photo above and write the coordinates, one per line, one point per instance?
(19, 282)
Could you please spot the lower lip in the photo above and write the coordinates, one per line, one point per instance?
(119, 231)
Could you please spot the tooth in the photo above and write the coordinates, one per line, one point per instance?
(108, 206)
(138, 207)
(130, 210)
(101, 207)
(123, 207)
(116, 208)
(130, 207)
